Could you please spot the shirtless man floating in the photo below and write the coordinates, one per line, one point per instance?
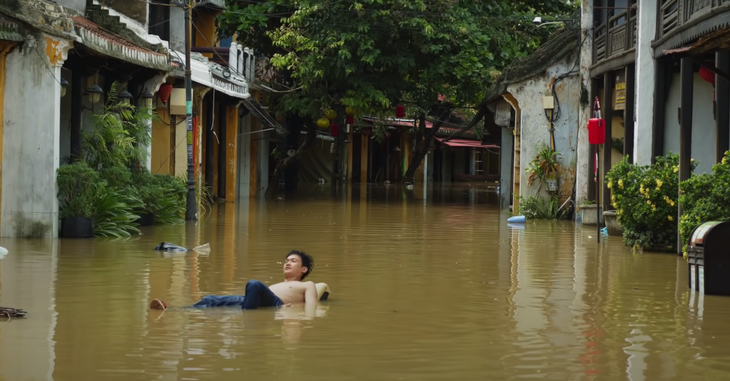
(292, 290)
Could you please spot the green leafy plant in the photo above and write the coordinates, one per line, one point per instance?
(114, 214)
(543, 166)
(149, 191)
(537, 208)
(645, 199)
(172, 204)
(78, 186)
(118, 134)
(705, 197)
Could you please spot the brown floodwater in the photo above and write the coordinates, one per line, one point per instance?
(423, 288)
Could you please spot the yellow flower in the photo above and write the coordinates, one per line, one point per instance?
(648, 202)
(658, 184)
(610, 185)
(724, 160)
(670, 218)
(676, 168)
(621, 183)
(615, 205)
(641, 188)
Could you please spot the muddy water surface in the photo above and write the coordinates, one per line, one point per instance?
(434, 289)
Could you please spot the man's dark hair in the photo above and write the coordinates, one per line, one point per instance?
(307, 261)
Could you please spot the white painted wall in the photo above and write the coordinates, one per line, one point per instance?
(583, 168)
(703, 123)
(31, 140)
(645, 80)
(177, 29)
(535, 126)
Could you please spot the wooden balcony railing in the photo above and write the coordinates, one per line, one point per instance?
(617, 36)
(673, 15)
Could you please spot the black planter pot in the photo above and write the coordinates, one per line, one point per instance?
(146, 219)
(77, 227)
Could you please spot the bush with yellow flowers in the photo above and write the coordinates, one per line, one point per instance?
(705, 197)
(646, 199)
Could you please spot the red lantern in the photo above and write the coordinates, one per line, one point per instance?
(400, 111)
(596, 126)
(335, 129)
(164, 92)
(707, 75)
(350, 119)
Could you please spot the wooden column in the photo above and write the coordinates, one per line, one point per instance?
(686, 89)
(364, 160)
(231, 150)
(77, 94)
(210, 141)
(629, 112)
(222, 150)
(592, 156)
(660, 90)
(722, 106)
(607, 114)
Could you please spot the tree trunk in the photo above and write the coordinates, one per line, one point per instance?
(287, 161)
(427, 137)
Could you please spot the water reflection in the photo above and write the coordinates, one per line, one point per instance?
(427, 286)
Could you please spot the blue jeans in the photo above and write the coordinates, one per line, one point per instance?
(257, 295)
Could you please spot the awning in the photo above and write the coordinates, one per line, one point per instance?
(465, 143)
(201, 73)
(262, 115)
(110, 44)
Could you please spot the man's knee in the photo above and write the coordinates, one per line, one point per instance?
(254, 284)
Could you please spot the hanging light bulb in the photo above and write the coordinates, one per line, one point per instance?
(64, 87)
(94, 92)
(125, 96)
(147, 97)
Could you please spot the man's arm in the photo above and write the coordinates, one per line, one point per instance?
(310, 299)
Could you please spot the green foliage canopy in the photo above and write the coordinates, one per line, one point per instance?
(373, 54)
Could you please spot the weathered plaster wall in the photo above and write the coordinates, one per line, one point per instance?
(645, 80)
(703, 123)
(535, 126)
(31, 139)
(583, 170)
(506, 168)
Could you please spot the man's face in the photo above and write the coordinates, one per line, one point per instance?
(293, 266)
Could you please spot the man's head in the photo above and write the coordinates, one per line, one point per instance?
(298, 264)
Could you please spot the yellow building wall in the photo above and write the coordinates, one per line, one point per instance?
(181, 147)
(231, 152)
(162, 157)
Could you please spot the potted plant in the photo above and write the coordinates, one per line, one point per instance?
(78, 186)
(587, 213)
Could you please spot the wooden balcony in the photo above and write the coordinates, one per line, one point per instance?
(682, 21)
(614, 42)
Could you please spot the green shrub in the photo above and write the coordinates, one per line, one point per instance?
(704, 198)
(536, 208)
(114, 214)
(172, 203)
(645, 198)
(78, 186)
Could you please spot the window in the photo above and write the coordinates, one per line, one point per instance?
(159, 19)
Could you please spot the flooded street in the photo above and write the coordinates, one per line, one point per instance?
(435, 289)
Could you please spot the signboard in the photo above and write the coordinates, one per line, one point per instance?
(619, 96)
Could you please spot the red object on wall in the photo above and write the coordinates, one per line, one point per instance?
(596, 126)
(707, 75)
(335, 129)
(400, 111)
(164, 92)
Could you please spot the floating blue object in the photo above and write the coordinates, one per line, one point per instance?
(516, 219)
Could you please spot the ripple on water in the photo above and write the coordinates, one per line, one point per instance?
(434, 292)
